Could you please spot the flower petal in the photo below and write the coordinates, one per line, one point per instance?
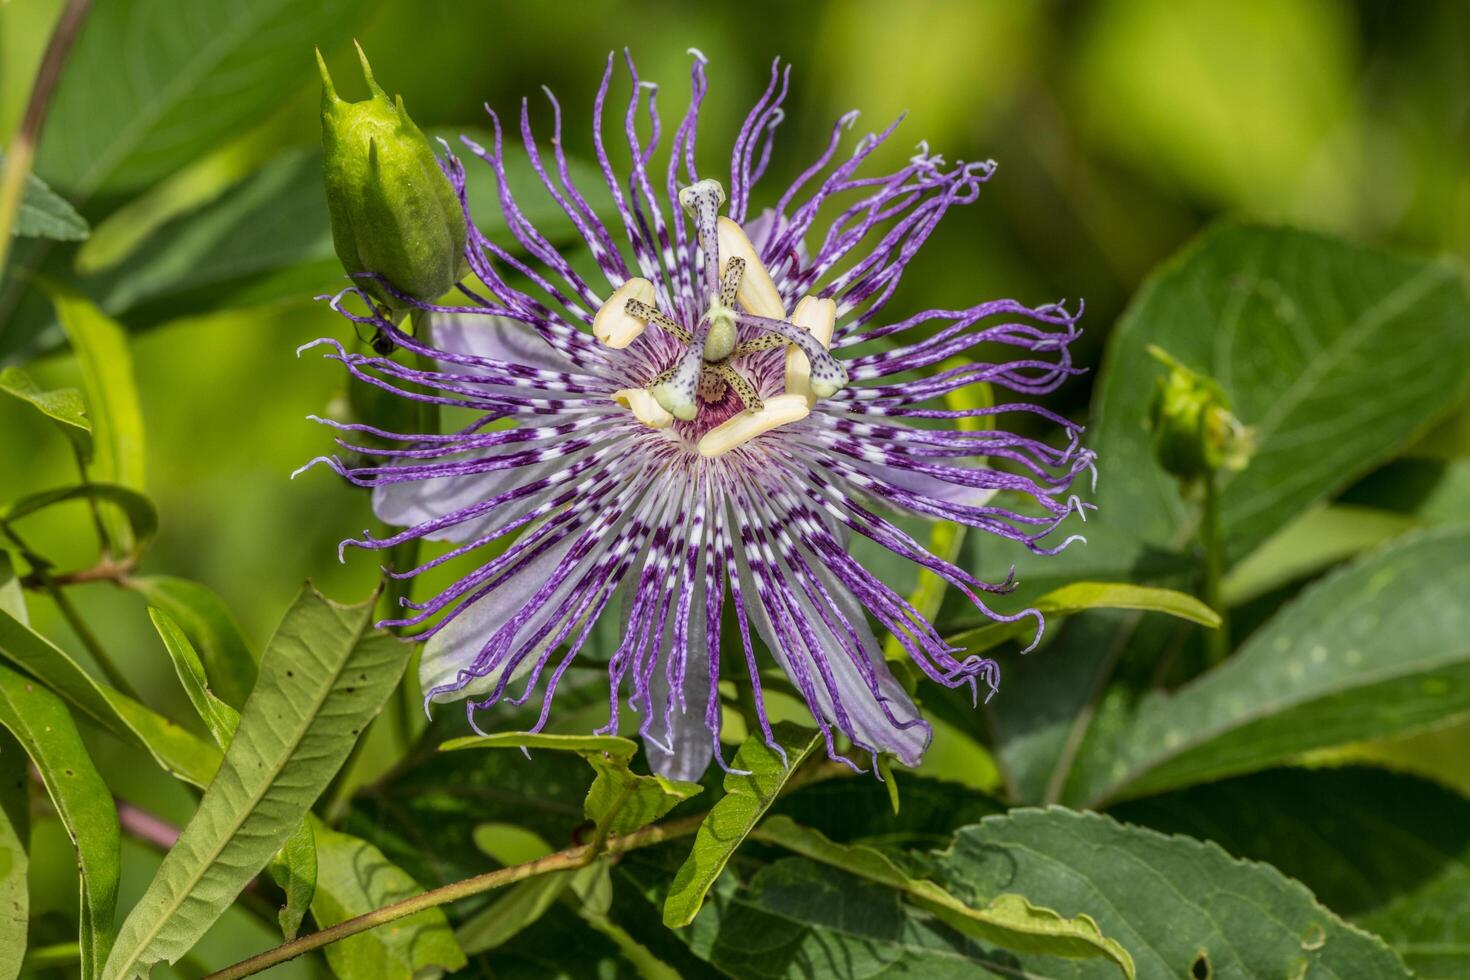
(496, 338)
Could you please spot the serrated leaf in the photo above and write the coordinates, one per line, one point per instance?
(1006, 919)
(293, 867)
(1181, 907)
(1082, 596)
(211, 629)
(64, 406)
(324, 675)
(619, 800)
(1377, 648)
(40, 722)
(46, 214)
(1298, 329)
(176, 749)
(354, 878)
(101, 349)
(746, 800)
(1389, 852)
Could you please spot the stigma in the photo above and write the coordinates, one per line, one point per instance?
(739, 292)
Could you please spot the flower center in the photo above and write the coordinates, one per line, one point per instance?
(741, 294)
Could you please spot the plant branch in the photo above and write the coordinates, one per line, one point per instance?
(571, 858)
(22, 149)
(40, 572)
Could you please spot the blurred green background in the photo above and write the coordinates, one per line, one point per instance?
(1121, 127)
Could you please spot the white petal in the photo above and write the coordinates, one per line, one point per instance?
(455, 647)
(869, 722)
(493, 337)
(407, 504)
(690, 738)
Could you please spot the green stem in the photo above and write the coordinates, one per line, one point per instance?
(22, 149)
(571, 858)
(1212, 538)
(104, 542)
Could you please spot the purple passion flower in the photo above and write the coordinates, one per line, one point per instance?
(699, 429)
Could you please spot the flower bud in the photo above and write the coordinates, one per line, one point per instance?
(1194, 432)
(393, 211)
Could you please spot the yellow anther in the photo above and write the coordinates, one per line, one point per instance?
(613, 325)
(818, 317)
(644, 408)
(777, 411)
(757, 293)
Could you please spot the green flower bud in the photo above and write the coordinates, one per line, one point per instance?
(393, 211)
(1194, 433)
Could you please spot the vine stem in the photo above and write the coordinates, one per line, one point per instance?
(569, 859)
(22, 149)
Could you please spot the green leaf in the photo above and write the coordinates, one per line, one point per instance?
(145, 90)
(1082, 596)
(746, 800)
(324, 675)
(40, 722)
(136, 510)
(218, 717)
(15, 839)
(176, 749)
(293, 867)
(1008, 920)
(15, 815)
(353, 878)
(1181, 907)
(857, 810)
(101, 348)
(1382, 646)
(1317, 540)
(64, 406)
(294, 870)
(520, 907)
(46, 214)
(1391, 853)
(1300, 330)
(619, 800)
(210, 628)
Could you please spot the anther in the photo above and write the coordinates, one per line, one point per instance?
(644, 408)
(757, 292)
(778, 411)
(613, 324)
(817, 316)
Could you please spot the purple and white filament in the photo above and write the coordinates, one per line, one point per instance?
(703, 428)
